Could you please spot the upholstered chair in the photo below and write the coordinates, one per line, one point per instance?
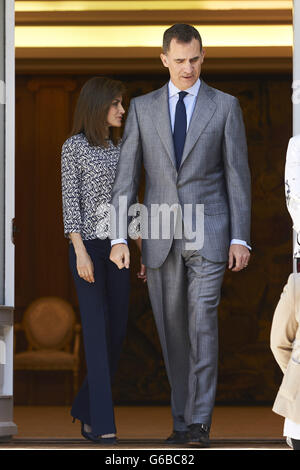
(53, 338)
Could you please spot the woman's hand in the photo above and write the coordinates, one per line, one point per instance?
(142, 274)
(85, 267)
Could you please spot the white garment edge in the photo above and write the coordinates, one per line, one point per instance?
(291, 430)
(233, 241)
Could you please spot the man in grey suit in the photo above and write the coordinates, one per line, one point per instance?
(191, 140)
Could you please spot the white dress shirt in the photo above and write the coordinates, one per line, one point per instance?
(189, 101)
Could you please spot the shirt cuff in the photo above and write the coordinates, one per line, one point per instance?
(240, 242)
(118, 240)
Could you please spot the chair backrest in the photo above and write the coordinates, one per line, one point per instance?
(49, 323)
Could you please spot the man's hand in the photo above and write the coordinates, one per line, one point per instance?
(119, 254)
(142, 274)
(239, 256)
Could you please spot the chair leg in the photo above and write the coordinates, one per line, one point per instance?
(75, 383)
(67, 388)
(31, 388)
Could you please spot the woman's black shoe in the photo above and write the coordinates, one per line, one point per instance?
(94, 438)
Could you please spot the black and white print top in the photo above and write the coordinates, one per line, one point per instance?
(87, 173)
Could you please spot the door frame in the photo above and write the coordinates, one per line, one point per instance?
(9, 250)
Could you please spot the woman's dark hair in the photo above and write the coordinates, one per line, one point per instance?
(94, 101)
(182, 32)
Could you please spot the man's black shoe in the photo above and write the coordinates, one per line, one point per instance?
(199, 435)
(178, 437)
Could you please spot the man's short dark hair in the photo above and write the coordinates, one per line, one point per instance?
(182, 33)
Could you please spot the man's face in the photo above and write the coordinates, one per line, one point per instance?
(184, 62)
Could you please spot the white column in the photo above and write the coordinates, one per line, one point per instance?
(9, 291)
(2, 146)
(7, 190)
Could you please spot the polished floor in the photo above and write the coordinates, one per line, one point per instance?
(51, 427)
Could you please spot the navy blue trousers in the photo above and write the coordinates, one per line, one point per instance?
(104, 311)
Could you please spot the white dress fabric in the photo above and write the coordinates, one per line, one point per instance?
(292, 193)
(292, 186)
(291, 430)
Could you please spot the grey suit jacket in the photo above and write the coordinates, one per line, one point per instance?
(214, 168)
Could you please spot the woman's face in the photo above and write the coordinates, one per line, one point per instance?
(115, 113)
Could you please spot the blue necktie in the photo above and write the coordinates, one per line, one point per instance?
(179, 128)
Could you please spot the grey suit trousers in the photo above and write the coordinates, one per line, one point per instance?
(185, 293)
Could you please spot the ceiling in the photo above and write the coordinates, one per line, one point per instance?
(120, 33)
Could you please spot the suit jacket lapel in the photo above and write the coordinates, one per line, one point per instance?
(203, 112)
(160, 114)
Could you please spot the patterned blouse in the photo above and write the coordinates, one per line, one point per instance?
(88, 174)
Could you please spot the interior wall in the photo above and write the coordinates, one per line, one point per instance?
(247, 371)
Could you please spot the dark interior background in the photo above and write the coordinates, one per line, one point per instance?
(248, 373)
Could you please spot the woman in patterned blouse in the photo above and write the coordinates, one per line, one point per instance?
(89, 160)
